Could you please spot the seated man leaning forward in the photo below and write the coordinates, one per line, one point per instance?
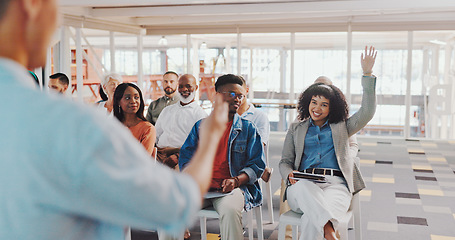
(175, 122)
(239, 161)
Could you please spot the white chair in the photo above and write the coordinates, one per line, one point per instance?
(268, 187)
(292, 218)
(210, 212)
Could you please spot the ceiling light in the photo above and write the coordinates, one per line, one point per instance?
(438, 42)
(162, 42)
(203, 46)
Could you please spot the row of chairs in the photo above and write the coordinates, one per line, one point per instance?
(289, 218)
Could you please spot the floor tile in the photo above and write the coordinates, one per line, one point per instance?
(382, 226)
(412, 220)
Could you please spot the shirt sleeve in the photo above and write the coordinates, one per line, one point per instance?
(149, 112)
(263, 126)
(117, 181)
(148, 138)
(189, 147)
(256, 157)
(159, 125)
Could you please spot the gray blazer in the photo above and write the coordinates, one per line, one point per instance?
(295, 139)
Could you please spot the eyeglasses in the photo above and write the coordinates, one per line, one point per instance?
(233, 95)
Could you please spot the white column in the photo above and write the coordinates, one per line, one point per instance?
(239, 52)
(434, 79)
(195, 61)
(112, 50)
(425, 87)
(79, 76)
(451, 80)
(228, 66)
(65, 57)
(188, 53)
(250, 78)
(407, 120)
(163, 60)
(445, 130)
(47, 70)
(348, 67)
(140, 68)
(292, 87)
(282, 121)
(283, 57)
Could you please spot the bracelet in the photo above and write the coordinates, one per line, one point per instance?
(367, 72)
(237, 181)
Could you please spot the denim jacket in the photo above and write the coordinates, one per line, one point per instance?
(245, 155)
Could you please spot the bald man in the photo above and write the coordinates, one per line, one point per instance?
(175, 121)
(67, 172)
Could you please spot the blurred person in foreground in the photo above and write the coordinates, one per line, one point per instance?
(68, 173)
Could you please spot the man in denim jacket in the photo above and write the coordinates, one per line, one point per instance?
(239, 161)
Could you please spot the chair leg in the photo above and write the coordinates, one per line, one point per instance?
(203, 223)
(249, 215)
(268, 193)
(281, 231)
(260, 230)
(356, 216)
(295, 231)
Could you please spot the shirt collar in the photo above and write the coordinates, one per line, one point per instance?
(323, 125)
(190, 105)
(169, 98)
(21, 73)
(250, 110)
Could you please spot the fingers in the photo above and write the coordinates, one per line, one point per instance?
(369, 52)
(227, 185)
(290, 177)
(220, 107)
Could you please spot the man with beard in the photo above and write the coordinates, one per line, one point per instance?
(169, 86)
(175, 121)
(239, 161)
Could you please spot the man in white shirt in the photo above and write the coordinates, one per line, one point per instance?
(67, 172)
(175, 121)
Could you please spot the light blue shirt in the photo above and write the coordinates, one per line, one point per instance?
(69, 172)
(260, 120)
(319, 151)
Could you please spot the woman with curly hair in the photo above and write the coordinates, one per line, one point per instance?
(319, 144)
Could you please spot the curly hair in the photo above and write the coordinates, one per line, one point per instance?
(338, 107)
(118, 94)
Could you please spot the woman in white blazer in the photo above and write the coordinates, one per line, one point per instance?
(319, 144)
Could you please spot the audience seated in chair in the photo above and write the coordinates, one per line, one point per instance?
(170, 81)
(353, 150)
(319, 144)
(175, 121)
(129, 110)
(239, 163)
(259, 118)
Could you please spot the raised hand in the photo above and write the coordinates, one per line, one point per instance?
(367, 60)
